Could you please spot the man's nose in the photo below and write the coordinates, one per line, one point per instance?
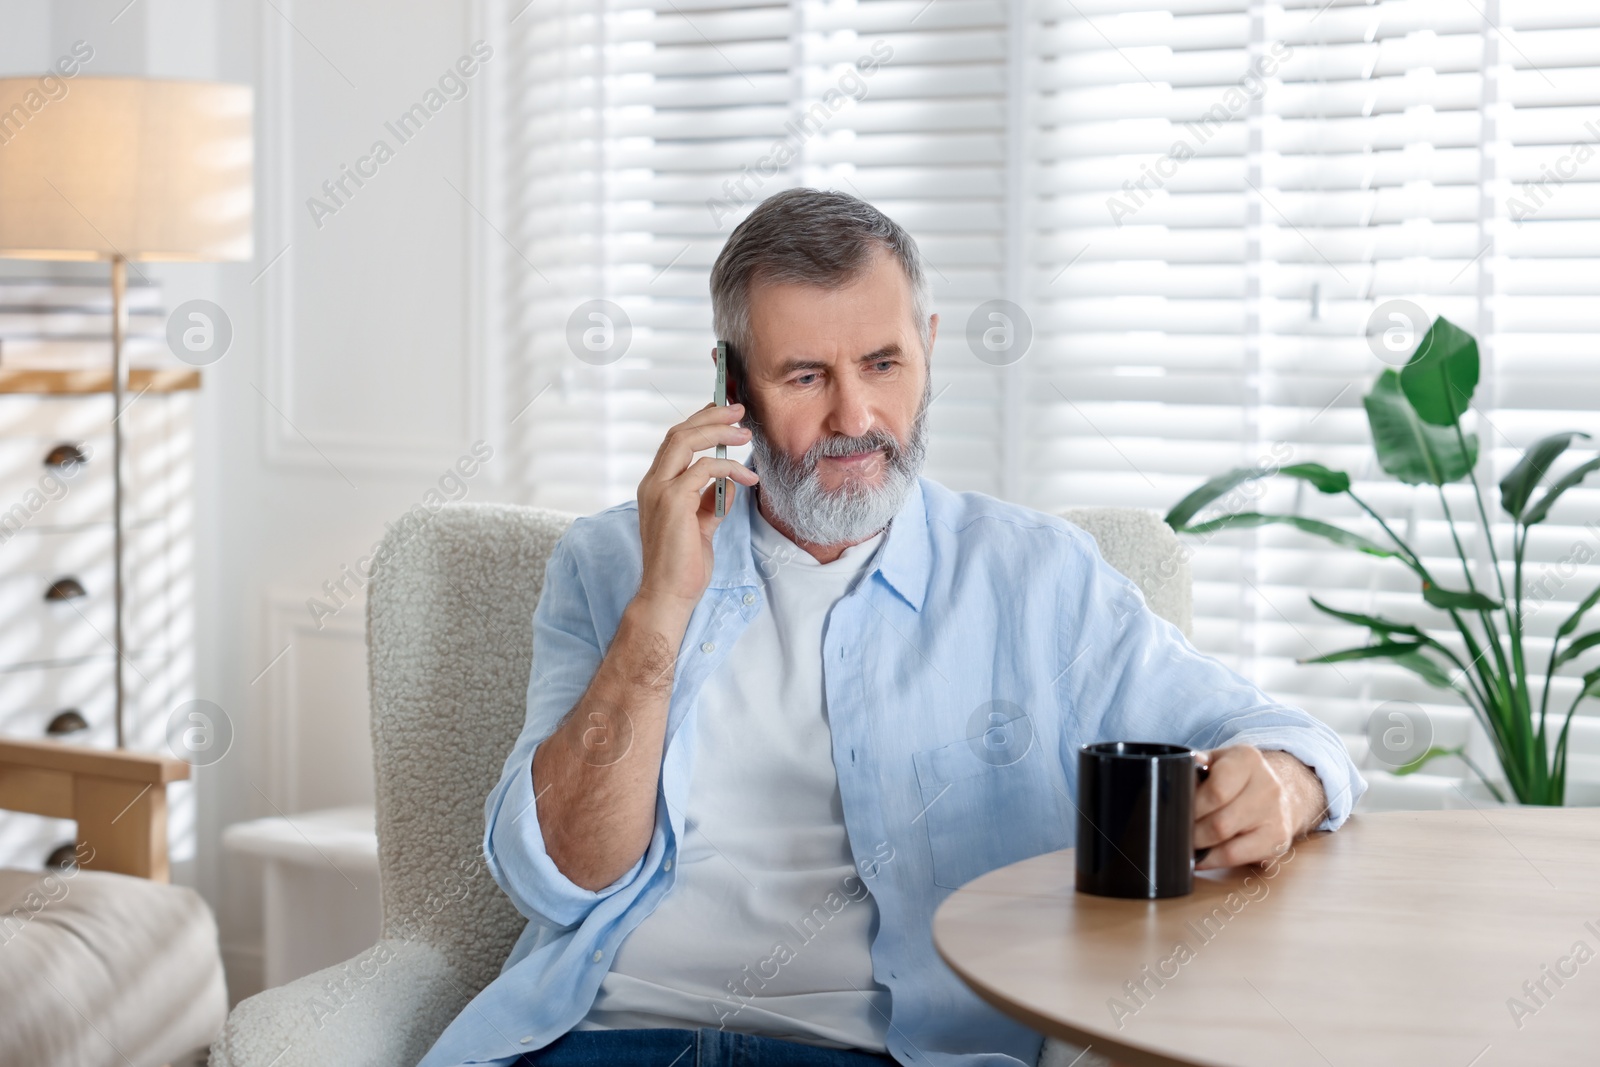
(851, 415)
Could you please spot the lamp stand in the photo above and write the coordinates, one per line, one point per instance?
(119, 385)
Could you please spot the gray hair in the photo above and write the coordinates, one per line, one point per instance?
(813, 237)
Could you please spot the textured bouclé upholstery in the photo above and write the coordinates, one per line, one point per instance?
(449, 632)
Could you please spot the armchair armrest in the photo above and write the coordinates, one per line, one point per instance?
(117, 798)
(385, 1007)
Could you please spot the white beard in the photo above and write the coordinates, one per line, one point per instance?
(796, 497)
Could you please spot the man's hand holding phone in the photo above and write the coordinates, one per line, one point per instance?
(677, 504)
(597, 805)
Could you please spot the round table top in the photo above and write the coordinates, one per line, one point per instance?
(1450, 938)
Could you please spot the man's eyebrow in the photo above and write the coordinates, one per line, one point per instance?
(885, 352)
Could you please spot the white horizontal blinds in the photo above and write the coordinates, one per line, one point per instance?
(1203, 287)
(66, 322)
(1390, 152)
(699, 92)
(927, 145)
(1546, 304)
(1214, 198)
(1140, 373)
(1371, 181)
(641, 134)
(565, 427)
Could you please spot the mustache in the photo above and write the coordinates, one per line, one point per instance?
(873, 440)
(841, 445)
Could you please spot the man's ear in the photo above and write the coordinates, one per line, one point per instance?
(933, 332)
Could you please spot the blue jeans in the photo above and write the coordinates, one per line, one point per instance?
(667, 1047)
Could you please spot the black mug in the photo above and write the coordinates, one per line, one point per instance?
(1136, 819)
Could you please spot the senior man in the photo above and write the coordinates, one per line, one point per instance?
(758, 750)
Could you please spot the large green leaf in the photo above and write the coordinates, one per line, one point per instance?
(1373, 622)
(1442, 374)
(1423, 760)
(1451, 600)
(1245, 519)
(1381, 650)
(1325, 480)
(1430, 671)
(1322, 478)
(1579, 612)
(1578, 647)
(1407, 654)
(1518, 485)
(1190, 506)
(1407, 447)
(1577, 474)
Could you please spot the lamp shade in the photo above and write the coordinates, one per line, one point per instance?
(142, 168)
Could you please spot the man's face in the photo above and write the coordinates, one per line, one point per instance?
(837, 363)
(836, 394)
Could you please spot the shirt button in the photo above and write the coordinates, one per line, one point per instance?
(708, 646)
(667, 866)
(749, 598)
(596, 956)
(528, 1040)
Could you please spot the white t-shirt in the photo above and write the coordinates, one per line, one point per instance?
(768, 927)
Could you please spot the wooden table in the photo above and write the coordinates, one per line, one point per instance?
(1405, 938)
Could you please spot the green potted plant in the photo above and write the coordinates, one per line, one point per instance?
(1415, 417)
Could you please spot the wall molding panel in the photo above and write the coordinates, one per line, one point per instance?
(289, 443)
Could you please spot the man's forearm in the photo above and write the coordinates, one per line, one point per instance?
(596, 776)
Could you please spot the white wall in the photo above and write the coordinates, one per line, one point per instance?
(358, 370)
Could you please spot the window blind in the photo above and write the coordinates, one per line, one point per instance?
(1224, 196)
(1198, 206)
(641, 132)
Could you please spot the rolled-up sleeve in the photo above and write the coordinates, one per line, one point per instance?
(1130, 675)
(566, 654)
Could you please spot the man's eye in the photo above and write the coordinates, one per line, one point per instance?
(804, 379)
(884, 364)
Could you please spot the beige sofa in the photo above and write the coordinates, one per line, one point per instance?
(102, 963)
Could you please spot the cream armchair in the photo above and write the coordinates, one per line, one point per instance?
(449, 645)
(103, 964)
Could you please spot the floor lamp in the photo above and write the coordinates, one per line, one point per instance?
(120, 170)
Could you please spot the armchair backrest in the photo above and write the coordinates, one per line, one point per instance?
(449, 633)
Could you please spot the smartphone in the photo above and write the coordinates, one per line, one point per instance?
(722, 402)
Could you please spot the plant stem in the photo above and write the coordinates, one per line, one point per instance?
(1409, 557)
(1520, 727)
(1522, 704)
(1465, 671)
(1518, 677)
(1491, 632)
(1497, 730)
(1522, 707)
(1461, 553)
(1414, 561)
(1462, 752)
(1559, 776)
(1549, 682)
(1483, 517)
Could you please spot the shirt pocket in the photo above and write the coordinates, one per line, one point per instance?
(980, 815)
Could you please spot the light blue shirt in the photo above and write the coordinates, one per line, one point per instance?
(983, 645)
